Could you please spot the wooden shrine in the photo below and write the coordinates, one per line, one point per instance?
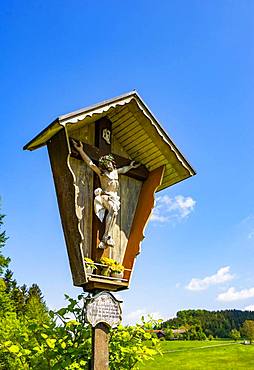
(125, 128)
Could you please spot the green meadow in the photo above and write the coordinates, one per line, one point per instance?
(203, 355)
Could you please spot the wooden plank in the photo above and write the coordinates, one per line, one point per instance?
(136, 139)
(143, 211)
(120, 125)
(125, 126)
(160, 159)
(114, 286)
(134, 135)
(58, 153)
(118, 149)
(129, 194)
(100, 350)
(150, 156)
(83, 183)
(115, 117)
(151, 152)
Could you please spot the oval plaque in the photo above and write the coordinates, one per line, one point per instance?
(103, 307)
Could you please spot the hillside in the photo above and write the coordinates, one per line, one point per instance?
(216, 323)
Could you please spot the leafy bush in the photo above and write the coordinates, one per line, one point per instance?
(131, 345)
(65, 342)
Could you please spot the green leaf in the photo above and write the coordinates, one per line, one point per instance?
(63, 345)
(36, 348)
(62, 311)
(14, 348)
(51, 343)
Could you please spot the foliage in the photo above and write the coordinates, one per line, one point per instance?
(117, 267)
(4, 261)
(248, 330)
(235, 334)
(65, 342)
(90, 262)
(107, 261)
(19, 307)
(50, 345)
(131, 345)
(111, 266)
(216, 323)
(194, 332)
(169, 334)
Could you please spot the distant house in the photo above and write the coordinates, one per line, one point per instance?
(159, 333)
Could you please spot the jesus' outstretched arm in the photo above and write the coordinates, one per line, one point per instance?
(79, 148)
(125, 169)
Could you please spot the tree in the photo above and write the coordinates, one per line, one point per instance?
(35, 307)
(169, 334)
(248, 330)
(216, 323)
(4, 261)
(235, 334)
(19, 308)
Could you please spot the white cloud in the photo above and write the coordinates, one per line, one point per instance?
(135, 317)
(222, 275)
(176, 208)
(250, 308)
(251, 235)
(232, 295)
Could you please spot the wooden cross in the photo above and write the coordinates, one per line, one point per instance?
(103, 134)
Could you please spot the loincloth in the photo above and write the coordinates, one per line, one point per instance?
(105, 201)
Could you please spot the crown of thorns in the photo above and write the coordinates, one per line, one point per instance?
(105, 159)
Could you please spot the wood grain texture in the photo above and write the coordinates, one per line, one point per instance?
(96, 283)
(101, 148)
(58, 153)
(100, 351)
(83, 185)
(143, 211)
(129, 195)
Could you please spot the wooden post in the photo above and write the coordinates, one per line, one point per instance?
(100, 333)
(100, 352)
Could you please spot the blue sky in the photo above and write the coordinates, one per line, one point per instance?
(192, 63)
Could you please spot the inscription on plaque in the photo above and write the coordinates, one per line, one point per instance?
(103, 307)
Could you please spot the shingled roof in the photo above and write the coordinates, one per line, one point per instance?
(136, 129)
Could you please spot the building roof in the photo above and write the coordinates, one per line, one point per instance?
(135, 128)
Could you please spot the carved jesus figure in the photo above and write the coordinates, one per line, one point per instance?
(106, 197)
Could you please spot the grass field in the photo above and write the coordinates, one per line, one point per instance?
(203, 355)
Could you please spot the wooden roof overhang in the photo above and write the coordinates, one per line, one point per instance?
(136, 129)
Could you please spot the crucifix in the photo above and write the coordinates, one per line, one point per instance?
(106, 183)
